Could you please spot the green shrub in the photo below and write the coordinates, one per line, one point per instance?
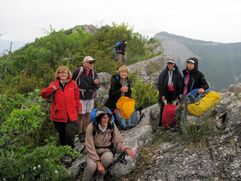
(197, 132)
(145, 94)
(43, 163)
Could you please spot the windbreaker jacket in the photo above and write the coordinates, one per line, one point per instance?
(66, 102)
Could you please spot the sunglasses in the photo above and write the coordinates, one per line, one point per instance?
(91, 62)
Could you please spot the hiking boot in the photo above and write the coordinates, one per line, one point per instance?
(67, 160)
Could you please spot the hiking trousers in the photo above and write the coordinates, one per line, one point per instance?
(106, 159)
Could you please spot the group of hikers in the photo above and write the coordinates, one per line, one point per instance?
(73, 96)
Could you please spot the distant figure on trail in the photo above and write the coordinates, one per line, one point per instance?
(169, 86)
(193, 78)
(120, 55)
(120, 86)
(88, 82)
(65, 104)
(102, 140)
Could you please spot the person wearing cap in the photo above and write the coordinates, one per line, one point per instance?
(120, 53)
(101, 136)
(88, 82)
(120, 86)
(193, 78)
(169, 85)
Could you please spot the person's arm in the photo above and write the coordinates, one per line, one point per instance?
(89, 144)
(180, 85)
(48, 91)
(114, 91)
(117, 140)
(96, 81)
(160, 84)
(75, 74)
(128, 93)
(77, 98)
(203, 83)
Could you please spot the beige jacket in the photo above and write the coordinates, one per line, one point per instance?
(102, 139)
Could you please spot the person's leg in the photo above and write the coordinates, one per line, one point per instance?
(89, 108)
(161, 111)
(69, 134)
(81, 121)
(89, 170)
(106, 160)
(123, 59)
(60, 127)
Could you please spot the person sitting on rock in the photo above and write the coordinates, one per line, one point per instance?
(120, 86)
(101, 137)
(193, 78)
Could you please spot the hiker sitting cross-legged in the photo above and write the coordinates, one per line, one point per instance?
(169, 86)
(193, 78)
(101, 137)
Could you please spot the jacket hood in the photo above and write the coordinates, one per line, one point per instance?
(195, 60)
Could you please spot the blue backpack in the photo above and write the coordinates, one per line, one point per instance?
(130, 123)
(195, 96)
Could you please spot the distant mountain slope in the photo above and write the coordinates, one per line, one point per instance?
(220, 62)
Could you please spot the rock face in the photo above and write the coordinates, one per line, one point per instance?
(148, 70)
(220, 160)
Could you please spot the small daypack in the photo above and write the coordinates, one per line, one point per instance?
(168, 116)
(204, 104)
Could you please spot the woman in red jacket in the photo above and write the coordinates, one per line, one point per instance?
(65, 105)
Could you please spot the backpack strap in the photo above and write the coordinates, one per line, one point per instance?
(81, 69)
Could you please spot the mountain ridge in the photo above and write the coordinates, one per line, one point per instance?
(218, 61)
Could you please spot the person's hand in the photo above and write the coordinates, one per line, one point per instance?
(124, 88)
(175, 102)
(201, 90)
(55, 88)
(96, 81)
(100, 167)
(130, 153)
(163, 98)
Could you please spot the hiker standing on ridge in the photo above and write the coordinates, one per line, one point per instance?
(193, 78)
(88, 82)
(102, 138)
(169, 86)
(65, 105)
(120, 52)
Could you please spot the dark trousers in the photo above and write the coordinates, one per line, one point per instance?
(66, 133)
(170, 98)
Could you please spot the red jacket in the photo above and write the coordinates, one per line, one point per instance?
(65, 104)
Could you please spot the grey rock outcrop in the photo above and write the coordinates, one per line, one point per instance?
(219, 160)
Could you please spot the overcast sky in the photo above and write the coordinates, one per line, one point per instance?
(214, 20)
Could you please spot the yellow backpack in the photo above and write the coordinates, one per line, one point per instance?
(204, 104)
(126, 106)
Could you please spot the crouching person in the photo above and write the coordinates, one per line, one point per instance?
(101, 137)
